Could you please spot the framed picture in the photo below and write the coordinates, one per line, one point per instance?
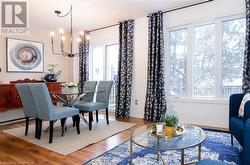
(24, 55)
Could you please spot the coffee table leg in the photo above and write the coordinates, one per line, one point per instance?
(182, 156)
(131, 151)
(199, 152)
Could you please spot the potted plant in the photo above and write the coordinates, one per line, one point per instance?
(171, 123)
(52, 75)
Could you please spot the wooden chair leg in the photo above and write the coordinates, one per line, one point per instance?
(40, 126)
(107, 115)
(36, 127)
(74, 122)
(77, 120)
(232, 140)
(27, 125)
(51, 123)
(90, 120)
(63, 121)
(96, 115)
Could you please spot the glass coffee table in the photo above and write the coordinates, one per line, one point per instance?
(192, 136)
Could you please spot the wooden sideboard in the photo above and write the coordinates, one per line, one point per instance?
(9, 98)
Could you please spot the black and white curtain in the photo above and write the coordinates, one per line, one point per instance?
(83, 63)
(246, 65)
(155, 106)
(125, 67)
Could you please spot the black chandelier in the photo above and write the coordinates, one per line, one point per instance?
(82, 36)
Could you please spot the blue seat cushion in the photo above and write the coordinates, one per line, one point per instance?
(210, 162)
(64, 112)
(236, 125)
(90, 106)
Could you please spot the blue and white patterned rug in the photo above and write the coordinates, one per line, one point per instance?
(217, 146)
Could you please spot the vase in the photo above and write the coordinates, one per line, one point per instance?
(169, 131)
(51, 77)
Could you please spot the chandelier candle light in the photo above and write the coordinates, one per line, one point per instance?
(82, 36)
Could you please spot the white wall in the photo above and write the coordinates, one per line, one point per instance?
(205, 112)
(39, 34)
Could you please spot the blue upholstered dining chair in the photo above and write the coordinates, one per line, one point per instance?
(49, 112)
(87, 95)
(89, 91)
(240, 127)
(29, 107)
(102, 101)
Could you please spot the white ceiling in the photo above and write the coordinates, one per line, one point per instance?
(91, 14)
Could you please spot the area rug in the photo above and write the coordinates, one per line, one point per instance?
(71, 141)
(217, 146)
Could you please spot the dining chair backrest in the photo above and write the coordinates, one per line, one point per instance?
(89, 87)
(43, 100)
(103, 91)
(28, 102)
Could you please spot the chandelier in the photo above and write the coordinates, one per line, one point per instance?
(82, 37)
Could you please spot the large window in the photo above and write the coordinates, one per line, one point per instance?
(232, 56)
(104, 65)
(206, 60)
(178, 62)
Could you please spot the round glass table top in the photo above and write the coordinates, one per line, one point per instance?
(191, 137)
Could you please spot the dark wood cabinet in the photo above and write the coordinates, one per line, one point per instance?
(9, 98)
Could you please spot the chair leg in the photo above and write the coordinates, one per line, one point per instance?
(27, 125)
(63, 121)
(40, 126)
(74, 122)
(36, 127)
(107, 115)
(232, 140)
(77, 121)
(90, 120)
(96, 115)
(51, 123)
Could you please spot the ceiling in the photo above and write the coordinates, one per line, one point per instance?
(91, 14)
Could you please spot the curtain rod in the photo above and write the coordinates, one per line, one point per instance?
(164, 12)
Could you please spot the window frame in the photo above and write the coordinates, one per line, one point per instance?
(218, 22)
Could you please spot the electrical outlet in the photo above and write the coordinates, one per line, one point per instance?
(136, 102)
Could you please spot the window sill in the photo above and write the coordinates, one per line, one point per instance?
(211, 100)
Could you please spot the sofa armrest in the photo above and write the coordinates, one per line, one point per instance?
(234, 104)
(246, 143)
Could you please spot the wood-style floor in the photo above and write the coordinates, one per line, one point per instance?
(16, 151)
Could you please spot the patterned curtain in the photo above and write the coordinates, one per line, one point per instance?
(125, 67)
(83, 63)
(246, 65)
(155, 106)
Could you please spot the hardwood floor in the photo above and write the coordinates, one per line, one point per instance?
(17, 151)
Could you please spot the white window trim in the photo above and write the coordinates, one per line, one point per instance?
(190, 56)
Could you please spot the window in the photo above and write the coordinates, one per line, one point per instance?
(104, 65)
(98, 64)
(178, 62)
(232, 56)
(206, 60)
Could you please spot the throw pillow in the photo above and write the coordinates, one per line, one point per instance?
(242, 104)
